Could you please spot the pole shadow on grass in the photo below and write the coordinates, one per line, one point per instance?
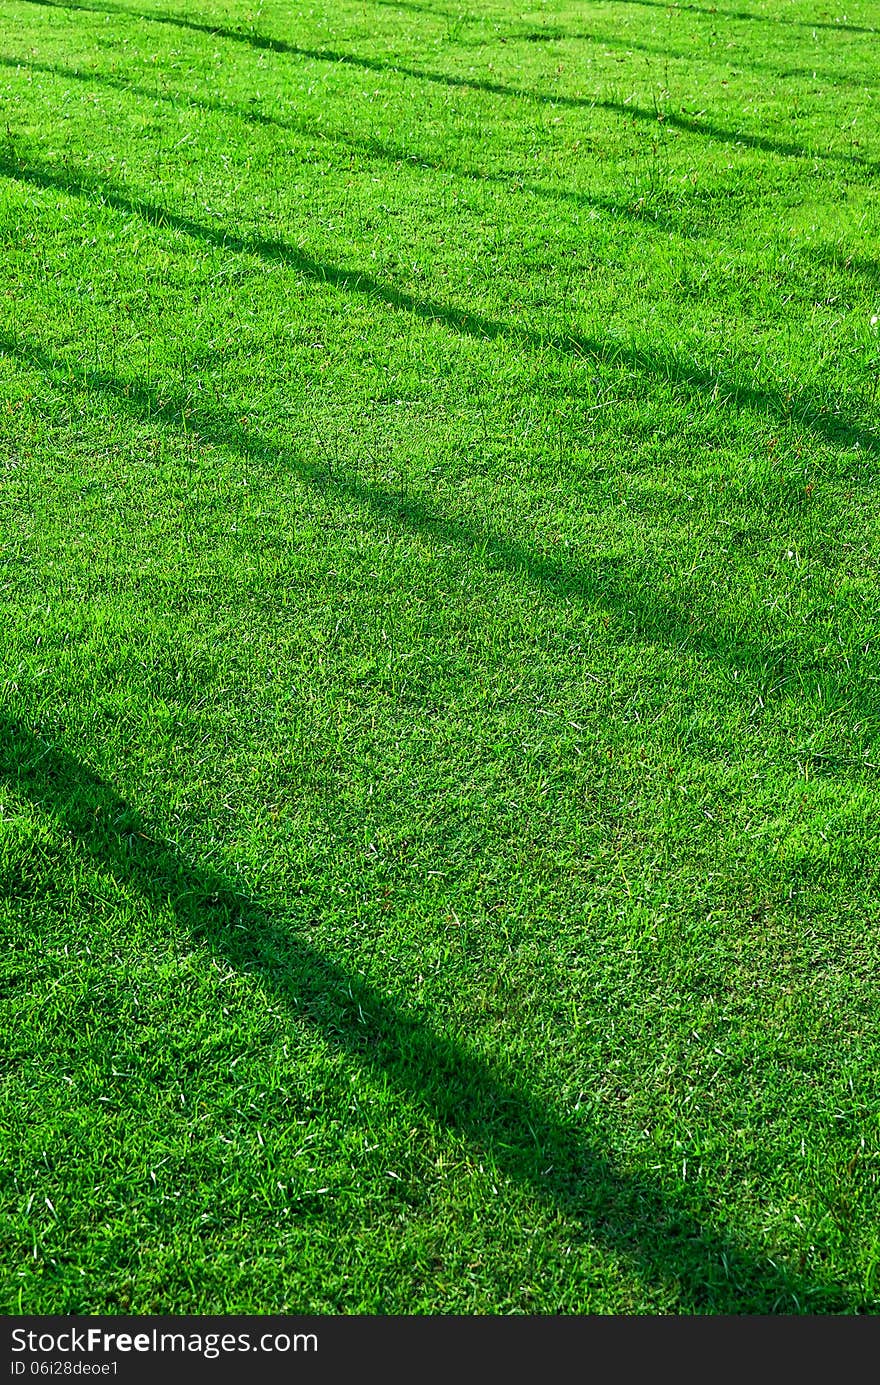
(667, 366)
(372, 148)
(672, 6)
(633, 210)
(666, 1235)
(737, 60)
(461, 16)
(549, 35)
(838, 259)
(617, 586)
(656, 116)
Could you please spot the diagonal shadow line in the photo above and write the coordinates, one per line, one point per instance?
(615, 584)
(669, 5)
(668, 367)
(668, 1237)
(844, 263)
(821, 74)
(459, 16)
(687, 8)
(548, 35)
(685, 123)
(737, 61)
(371, 148)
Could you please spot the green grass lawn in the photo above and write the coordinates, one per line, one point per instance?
(440, 717)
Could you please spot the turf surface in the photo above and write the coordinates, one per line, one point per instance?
(439, 721)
